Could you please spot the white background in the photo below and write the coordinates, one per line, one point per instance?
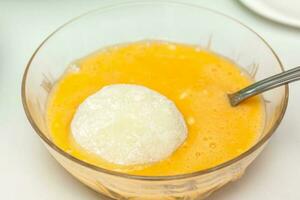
(27, 171)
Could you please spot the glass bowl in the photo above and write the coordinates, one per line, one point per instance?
(160, 20)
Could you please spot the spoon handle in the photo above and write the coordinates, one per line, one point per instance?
(264, 85)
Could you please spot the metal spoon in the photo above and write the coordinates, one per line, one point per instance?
(264, 85)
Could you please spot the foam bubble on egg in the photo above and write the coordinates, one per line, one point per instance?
(128, 124)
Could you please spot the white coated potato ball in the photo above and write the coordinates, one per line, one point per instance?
(128, 124)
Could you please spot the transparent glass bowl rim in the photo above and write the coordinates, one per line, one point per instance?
(150, 178)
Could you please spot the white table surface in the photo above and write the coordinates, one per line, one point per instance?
(27, 171)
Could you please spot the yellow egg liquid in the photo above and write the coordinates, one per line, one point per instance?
(196, 80)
